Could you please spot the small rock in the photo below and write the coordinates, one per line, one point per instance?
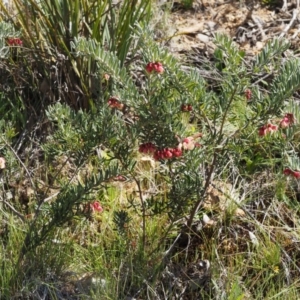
(259, 45)
(239, 212)
(211, 25)
(2, 163)
(208, 221)
(202, 38)
(253, 238)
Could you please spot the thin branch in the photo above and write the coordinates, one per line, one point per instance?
(257, 22)
(23, 165)
(13, 210)
(201, 197)
(209, 177)
(143, 210)
(288, 27)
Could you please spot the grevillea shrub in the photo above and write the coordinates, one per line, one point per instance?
(192, 134)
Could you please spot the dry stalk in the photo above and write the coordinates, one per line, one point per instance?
(288, 26)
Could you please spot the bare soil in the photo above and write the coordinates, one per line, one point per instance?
(249, 23)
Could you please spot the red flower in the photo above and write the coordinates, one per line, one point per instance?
(14, 42)
(155, 66)
(189, 143)
(269, 128)
(157, 155)
(167, 153)
(186, 107)
(115, 103)
(119, 178)
(96, 207)
(162, 154)
(248, 94)
(158, 67)
(147, 148)
(106, 76)
(149, 67)
(287, 120)
(295, 174)
(177, 152)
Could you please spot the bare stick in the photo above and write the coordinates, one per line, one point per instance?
(284, 6)
(50, 197)
(25, 168)
(296, 32)
(257, 22)
(288, 26)
(14, 210)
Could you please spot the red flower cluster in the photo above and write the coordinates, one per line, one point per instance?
(287, 120)
(186, 107)
(284, 123)
(158, 154)
(96, 207)
(189, 143)
(119, 178)
(295, 174)
(147, 148)
(115, 103)
(14, 42)
(248, 94)
(269, 128)
(155, 66)
(167, 153)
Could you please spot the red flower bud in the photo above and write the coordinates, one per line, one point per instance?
(154, 66)
(288, 171)
(168, 153)
(269, 128)
(147, 148)
(119, 178)
(296, 174)
(157, 155)
(248, 94)
(177, 152)
(115, 103)
(287, 120)
(96, 207)
(186, 107)
(14, 42)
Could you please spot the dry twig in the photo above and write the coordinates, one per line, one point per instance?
(288, 27)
